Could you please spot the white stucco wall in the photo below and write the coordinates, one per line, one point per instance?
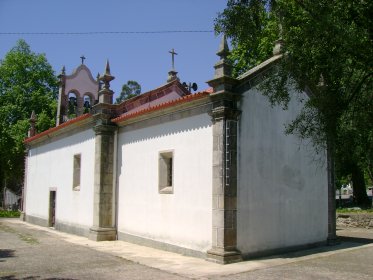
(282, 191)
(184, 217)
(51, 166)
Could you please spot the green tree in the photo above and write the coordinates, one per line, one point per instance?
(327, 51)
(129, 90)
(27, 83)
(252, 28)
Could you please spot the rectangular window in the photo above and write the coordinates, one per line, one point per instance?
(76, 173)
(165, 168)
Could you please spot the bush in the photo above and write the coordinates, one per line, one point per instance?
(9, 214)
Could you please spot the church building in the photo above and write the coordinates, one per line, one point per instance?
(209, 174)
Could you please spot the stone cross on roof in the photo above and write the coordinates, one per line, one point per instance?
(173, 53)
(82, 58)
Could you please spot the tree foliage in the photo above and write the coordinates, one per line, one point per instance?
(129, 90)
(27, 83)
(327, 52)
(252, 29)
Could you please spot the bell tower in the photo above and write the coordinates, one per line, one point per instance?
(78, 92)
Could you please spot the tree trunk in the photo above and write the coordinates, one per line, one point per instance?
(358, 185)
(332, 220)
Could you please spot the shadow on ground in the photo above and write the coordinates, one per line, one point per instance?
(12, 277)
(359, 240)
(6, 253)
(343, 242)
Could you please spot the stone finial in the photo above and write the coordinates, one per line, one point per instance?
(223, 51)
(107, 68)
(278, 47)
(32, 120)
(223, 67)
(106, 78)
(98, 82)
(223, 80)
(321, 82)
(62, 74)
(105, 95)
(172, 76)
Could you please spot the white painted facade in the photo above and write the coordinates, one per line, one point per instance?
(182, 218)
(273, 195)
(50, 167)
(282, 190)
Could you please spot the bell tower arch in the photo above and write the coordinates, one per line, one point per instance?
(78, 92)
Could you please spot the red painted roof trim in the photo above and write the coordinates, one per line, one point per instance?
(151, 95)
(186, 98)
(54, 129)
(161, 106)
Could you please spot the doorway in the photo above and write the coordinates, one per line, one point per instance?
(52, 208)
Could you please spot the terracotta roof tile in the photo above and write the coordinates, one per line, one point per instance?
(56, 128)
(186, 98)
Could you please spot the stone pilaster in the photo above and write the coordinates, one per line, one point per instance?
(224, 190)
(22, 217)
(103, 209)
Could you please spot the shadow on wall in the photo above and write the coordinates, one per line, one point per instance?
(64, 142)
(166, 128)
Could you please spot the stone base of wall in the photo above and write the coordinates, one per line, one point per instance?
(72, 229)
(68, 228)
(102, 234)
(355, 220)
(35, 220)
(160, 245)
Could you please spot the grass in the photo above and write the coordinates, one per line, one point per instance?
(9, 214)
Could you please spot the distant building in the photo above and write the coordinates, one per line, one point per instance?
(209, 174)
(346, 194)
(10, 200)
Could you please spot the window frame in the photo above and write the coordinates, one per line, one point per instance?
(77, 170)
(166, 178)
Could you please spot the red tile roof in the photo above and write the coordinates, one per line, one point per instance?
(54, 129)
(151, 95)
(186, 98)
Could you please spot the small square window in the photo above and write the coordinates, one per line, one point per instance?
(165, 167)
(76, 173)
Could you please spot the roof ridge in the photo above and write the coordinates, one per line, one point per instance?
(163, 105)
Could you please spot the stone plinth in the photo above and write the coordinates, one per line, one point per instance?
(102, 234)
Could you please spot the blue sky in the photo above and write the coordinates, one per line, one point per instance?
(140, 57)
